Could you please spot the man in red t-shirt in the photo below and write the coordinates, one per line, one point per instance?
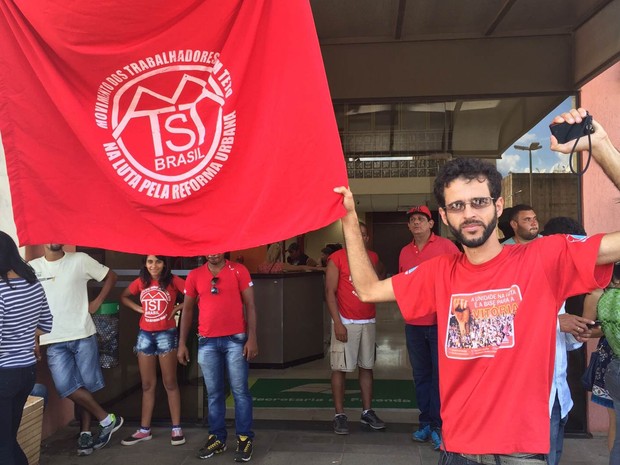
(421, 333)
(226, 343)
(353, 337)
(496, 307)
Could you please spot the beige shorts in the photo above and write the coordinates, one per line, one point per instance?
(359, 350)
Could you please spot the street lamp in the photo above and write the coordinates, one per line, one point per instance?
(530, 148)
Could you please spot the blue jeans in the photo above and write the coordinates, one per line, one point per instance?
(612, 384)
(74, 365)
(15, 385)
(217, 356)
(422, 348)
(557, 433)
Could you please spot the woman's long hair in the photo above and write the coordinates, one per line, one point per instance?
(11, 260)
(164, 279)
(273, 252)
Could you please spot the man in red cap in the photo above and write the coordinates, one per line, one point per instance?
(421, 333)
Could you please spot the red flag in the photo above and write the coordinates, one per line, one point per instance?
(180, 128)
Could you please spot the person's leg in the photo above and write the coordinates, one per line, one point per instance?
(89, 405)
(556, 434)
(611, 434)
(167, 344)
(365, 377)
(148, 376)
(15, 386)
(343, 359)
(62, 362)
(86, 353)
(614, 455)
(612, 384)
(238, 368)
(366, 362)
(435, 402)
(421, 364)
(85, 419)
(168, 364)
(414, 342)
(362, 345)
(338, 382)
(211, 361)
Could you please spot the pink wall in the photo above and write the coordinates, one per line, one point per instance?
(601, 199)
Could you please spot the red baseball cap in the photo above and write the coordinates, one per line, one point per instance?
(423, 209)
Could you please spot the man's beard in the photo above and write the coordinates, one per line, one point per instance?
(473, 243)
(55, 247)
(527, 234)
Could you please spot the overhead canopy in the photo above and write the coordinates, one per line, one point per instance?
(524, 55)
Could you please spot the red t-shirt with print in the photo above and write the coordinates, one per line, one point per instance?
(157, 303)
(349, 305)
(496, 336)
(219, 314)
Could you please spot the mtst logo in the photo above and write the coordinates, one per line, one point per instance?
(170, 130)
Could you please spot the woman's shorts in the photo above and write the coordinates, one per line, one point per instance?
(156, 342)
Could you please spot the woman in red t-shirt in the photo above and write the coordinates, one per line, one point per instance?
(157, 339)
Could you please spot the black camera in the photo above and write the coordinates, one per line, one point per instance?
(564, 132)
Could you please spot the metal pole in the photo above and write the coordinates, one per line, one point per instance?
(531, 200)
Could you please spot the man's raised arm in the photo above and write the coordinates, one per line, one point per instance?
(608, 157)
(368, 287)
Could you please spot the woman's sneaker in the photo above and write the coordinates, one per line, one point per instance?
(85, 444)
(212, 447)
(137, 437)
(177, 438)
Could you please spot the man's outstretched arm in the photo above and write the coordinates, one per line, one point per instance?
(367, 285)
(608, 157)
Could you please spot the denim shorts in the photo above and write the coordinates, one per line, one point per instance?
(156, 342)
(74, 365)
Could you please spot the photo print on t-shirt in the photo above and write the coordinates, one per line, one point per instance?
(154, 303)
(482, 323)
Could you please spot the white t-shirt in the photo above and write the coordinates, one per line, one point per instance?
(64, 282)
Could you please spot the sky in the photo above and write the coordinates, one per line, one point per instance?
(543, 160)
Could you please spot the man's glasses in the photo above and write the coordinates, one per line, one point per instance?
(214, 290)
(476, 203)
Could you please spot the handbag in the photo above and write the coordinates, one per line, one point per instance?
(587, 379)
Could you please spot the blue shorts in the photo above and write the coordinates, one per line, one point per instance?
(156, 342)
(74, 365)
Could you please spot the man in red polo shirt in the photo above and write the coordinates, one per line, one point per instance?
(421, 333)
(353, 337)
(226, 343)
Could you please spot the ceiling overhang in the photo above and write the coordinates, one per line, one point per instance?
(527, 54)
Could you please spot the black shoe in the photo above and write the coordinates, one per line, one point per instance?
(85, 444)
(371, 419)
(244, 449)
(341, 425)
(212, 447)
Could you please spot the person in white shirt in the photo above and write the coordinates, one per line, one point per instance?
(72, 352)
